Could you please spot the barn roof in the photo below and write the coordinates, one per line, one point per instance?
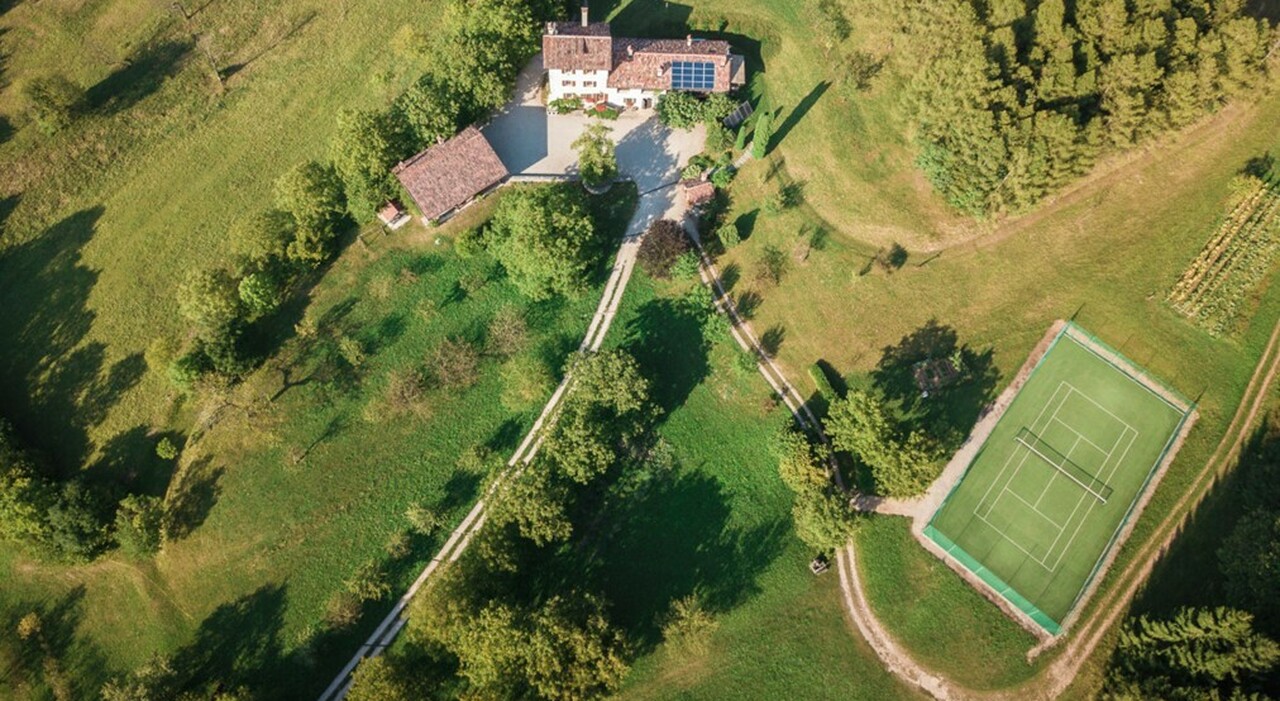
(449, 174)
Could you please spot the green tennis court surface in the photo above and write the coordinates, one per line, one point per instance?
(1046, 496)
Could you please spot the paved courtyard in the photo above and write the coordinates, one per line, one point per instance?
(532, 142)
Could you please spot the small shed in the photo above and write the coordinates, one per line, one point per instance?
(697, 192)
(393, 215)
(449, 175)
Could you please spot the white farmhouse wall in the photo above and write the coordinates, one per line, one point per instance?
(561, 84)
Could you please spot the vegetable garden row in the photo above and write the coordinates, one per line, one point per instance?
(1215, 289)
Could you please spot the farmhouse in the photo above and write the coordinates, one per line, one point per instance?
(449, 175)
(585, 61)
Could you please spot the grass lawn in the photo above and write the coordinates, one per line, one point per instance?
(721, 526)
(283, 500)
(949, 626)
(1051, 487)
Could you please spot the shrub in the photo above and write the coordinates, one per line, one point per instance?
(718, 137)
(188, 368)
(405, 391)
(342, 610)
(722, 177)
(470, 242)
(686, 266)
(604, 111)
(166, 450)
(160, 353)
(680, 110)
(260, 292)
(398, 545)
(454, 364)
(663, 244)
(688, 626)
(478, 459)
(472, 282)
(565, 105)
(53, 102)
(369, 583)
(740, 142)
(352, 351)
(210, 300)
(423, 520)
(526, 381)
(139, 522)
(728, 235)
(508, 332)
(75, 528)
(764, 132)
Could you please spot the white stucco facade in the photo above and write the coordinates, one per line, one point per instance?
(592, 86)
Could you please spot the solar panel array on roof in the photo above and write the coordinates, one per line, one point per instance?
(693, 75)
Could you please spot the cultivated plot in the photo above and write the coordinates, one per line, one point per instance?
(1046, 498)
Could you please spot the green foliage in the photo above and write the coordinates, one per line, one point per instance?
(470, 242)
(686, 266)
(740, 141)
(365, 147)
(597, 162)
(423, 519)
(663, 244)
(369, 583)
(903, 461)
(312, 193)
(1199, 653)
(1250, 562)
(508, 332)
(546, 239)
(139, 524)
(723, 177)
(763, 133)
(208, 298)
(166, 450)
(430, 110)
(728, 234)
(155, 680)
(187, 369)
(770, 266)
(719, 139)
(260, 292)
(823, 385)
(679, 110)
(25, 496)
(1012, 108)
(604, 111)
(821, 515)
(262, 236)
(381, 679)
(75, 530)
(688, 627)
(53, 102)
(536, 504)
(526, 382)
(829, 22)
(565, 105)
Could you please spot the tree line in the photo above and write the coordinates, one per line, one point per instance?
(1223, 644)
(1010, 100)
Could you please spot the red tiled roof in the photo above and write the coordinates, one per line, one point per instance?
(577, 48)
(449, 174)
(646, 63)
(697, 192)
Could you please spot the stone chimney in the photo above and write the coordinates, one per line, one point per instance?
(688, 40)
(586, 10)
(631, 51)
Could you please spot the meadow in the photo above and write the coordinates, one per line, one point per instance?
(724, 530)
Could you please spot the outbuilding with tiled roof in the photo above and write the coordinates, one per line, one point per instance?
(448, 175)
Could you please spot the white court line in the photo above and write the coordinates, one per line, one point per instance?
(1039, 513)
(1080, 435)
(1083, 496)
(1015, 544)
(1005, 467)
(1084, 519)
(1053, 477)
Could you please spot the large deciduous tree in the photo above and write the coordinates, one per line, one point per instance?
(545, 238)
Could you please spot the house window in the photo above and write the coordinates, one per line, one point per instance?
(588, 83)
(570, 83)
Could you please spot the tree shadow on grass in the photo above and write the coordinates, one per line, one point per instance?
(948, 412)
(76, 658)
(192, 498)
(140, 75)
(54, 386)
(797, 114)
(128, 462)
(673, 540)
(237, 645)
(666, 339)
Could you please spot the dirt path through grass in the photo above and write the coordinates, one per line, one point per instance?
(624, 264)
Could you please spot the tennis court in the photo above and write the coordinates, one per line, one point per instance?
(1047, 495)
